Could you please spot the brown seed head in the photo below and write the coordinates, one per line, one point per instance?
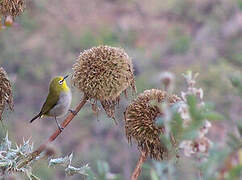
(103, 73)
(11, 7)
(140, 119)
(5, 92)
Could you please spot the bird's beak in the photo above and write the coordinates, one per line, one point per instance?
(65, 77)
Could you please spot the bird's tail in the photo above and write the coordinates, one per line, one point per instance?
(37, 116)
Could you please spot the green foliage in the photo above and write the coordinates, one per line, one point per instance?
(234, 173)
(102, 168)
(177, 126)
(213, 116)
(240, 4)
(195, 114)
(211, 165)
(161, 170)
(40, 169)
(198, 115)
(108, 37)
(179, 41)
(237, 83)
(235, 141)
(28, 23)
(239, 126)
(88, 40)
(103, 172)
(237, 59)
(153, 175)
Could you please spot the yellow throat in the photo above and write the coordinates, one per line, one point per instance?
(58, 85)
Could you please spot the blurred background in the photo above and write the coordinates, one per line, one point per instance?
(202, 36)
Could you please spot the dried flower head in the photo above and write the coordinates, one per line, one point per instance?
(103, 73)
(5, 92)
(140, 118)
(167, 80)
(11, 7)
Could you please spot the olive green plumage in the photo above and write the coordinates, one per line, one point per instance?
(59, 95)
(48, 105)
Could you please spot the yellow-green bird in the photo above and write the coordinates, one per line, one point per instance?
(58, 100)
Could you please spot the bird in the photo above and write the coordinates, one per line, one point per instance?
(58, 101)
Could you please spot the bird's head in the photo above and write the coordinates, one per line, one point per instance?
(58, 84)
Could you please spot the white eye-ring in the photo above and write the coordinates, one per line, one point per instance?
(61, 82)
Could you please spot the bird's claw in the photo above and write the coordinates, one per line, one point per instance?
(73, 112)
(60, 128)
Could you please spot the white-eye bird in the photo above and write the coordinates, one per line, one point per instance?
(58, 100)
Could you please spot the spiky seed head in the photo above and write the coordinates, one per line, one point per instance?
(11, 7)
(103, 73)
(5, 92)
(140, 119)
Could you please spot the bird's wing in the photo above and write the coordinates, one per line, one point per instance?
(50, 102)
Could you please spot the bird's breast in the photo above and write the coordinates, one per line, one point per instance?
(62, 106)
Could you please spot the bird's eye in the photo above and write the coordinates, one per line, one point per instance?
(61, 82)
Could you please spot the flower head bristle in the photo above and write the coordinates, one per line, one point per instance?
(5, 92)
(103, 73)
(140, 118)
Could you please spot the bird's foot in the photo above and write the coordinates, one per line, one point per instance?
(73, 112)
(60, 128)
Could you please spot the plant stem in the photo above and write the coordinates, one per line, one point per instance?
(137, 170)
(65, 123)
(228, 164)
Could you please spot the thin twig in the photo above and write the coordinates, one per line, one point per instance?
(137, 170)
(42, 147)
